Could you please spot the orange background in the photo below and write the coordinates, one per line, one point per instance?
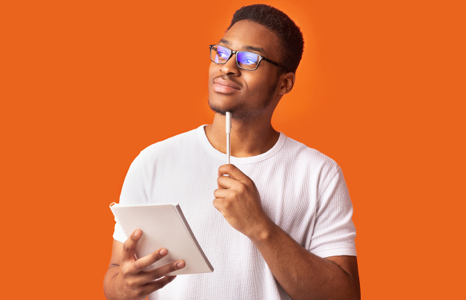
(86, 85)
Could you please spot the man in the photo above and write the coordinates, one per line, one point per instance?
(280, 224)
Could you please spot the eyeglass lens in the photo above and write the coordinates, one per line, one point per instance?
(246, 60)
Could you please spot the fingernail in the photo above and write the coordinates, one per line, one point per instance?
(163, 252)
(137, 233)
(181, 264)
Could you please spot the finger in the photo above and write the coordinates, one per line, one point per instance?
(225, 182)
(233, 172)
(219, 204)
(148, 276)
(149, 259)
(130, 245)
(221, 193)
(216, 203)
(156, 285)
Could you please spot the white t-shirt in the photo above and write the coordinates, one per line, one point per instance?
(301, 190)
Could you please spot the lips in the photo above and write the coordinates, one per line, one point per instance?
(225, 86)
(227, 83)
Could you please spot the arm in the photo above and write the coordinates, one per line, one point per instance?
(301, 274)
(126, 278)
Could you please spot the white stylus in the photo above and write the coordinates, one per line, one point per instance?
(228, 130)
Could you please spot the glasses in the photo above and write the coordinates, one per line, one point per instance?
(244, 59)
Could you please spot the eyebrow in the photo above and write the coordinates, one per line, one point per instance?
(257, 49)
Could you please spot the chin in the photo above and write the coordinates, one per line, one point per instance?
(217, 108)
(221, 106)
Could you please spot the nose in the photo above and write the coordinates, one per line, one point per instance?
(230, 67)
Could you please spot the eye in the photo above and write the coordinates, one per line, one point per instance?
(223, 54)
(248, 58)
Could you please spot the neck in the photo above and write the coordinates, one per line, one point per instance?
(248, 137)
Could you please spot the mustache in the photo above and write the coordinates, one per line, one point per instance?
(226, 77)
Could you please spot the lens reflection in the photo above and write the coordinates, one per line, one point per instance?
(245, 59)
(248, 60)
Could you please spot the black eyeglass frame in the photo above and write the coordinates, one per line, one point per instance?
(237, 63)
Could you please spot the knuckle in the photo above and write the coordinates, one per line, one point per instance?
(156, 274)
(156, 256)
(251, 184)
(128, 246)
(246, 183)
(124, 274)
(137, 265)
(131, 284)
(227, 204)
(125, 246)
(173, 267)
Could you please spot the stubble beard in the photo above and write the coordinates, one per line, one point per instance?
(238, 112)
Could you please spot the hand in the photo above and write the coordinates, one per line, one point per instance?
(239, 202)
(135, 283)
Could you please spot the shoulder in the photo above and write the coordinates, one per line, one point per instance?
(170, 146)
(309, 157)
(309, 165)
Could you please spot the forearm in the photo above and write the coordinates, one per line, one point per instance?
(302, 274)
(109, 283)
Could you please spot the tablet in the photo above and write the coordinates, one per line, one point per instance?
(163, 226)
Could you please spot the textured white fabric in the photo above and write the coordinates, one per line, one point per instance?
(302, 191)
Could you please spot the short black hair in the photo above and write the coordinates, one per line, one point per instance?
(290, 36)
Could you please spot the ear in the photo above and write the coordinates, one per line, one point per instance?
(286, 83)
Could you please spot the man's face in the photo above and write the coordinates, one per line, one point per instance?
(250, 92)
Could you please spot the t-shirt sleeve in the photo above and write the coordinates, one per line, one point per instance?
(334, 232)
(136, 188)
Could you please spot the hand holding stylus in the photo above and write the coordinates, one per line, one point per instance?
(238, 199)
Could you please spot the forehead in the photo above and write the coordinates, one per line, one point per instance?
(248, 35)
